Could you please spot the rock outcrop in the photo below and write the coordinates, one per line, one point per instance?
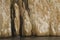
(29, 17)
(5, 20)
(44, 16)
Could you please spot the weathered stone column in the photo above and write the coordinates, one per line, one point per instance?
(17, 18)
(26, 27)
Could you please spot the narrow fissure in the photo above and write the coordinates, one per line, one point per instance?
(13, 31)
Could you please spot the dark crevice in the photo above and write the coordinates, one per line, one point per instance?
(20, 4)
(26, 6)
(13, 31)
(21, 25)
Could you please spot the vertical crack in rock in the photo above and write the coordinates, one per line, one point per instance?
(21, 19)
(29, 17)
(12, 18)
(26, 4)
(21, 25)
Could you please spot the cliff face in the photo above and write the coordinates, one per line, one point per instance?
(5, 21)
(44, 16)
(29, 17)
(9, 18)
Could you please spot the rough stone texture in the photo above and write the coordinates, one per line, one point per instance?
(55, 13)
(17, 18)
(5, 21)
(44, 16)
(40, 16)
(27, 27)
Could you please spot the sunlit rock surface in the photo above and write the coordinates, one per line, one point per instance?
(44, 15)
(5, 20)
(17, 18)
(39, 17)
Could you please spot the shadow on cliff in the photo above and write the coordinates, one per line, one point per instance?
(13, 31)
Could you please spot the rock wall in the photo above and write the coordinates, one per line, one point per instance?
(29, 17)
(9, 18)
(39, 17)
(44, 16)
(5, 21)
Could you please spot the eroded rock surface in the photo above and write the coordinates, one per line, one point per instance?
(39, 17)
(44, 15)
(5, 20)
